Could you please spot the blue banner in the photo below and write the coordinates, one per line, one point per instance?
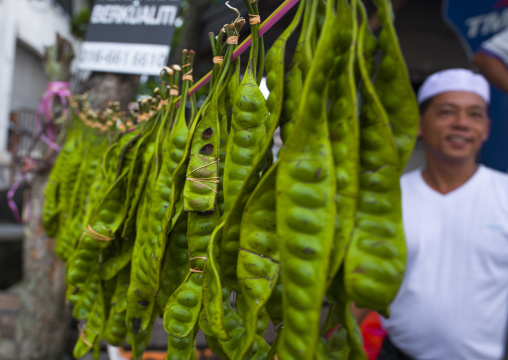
(475, 21)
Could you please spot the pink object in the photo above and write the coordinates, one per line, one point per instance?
(10, 196)
(54, 88)
(373, 335)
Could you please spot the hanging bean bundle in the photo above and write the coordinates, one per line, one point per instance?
(185, 215)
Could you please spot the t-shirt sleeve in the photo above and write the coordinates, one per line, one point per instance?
(497, 46)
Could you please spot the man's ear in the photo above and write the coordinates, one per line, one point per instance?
(487, 133)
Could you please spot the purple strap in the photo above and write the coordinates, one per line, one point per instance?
(10, 196)
(54, 88)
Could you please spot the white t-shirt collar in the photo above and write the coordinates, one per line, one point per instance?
(464, 187)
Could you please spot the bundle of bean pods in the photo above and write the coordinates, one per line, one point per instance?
(183, 214)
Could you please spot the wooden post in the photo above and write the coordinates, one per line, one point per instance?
(102, 88)
(43, 317)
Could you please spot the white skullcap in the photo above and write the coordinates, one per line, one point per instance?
(454, 80)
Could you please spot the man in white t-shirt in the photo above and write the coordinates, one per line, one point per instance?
(453, 302)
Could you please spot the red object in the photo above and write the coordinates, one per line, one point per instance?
(500, 4)
(373, 335)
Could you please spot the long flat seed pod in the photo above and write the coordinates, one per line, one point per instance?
(375, 260)
(305, 188)
(394, 88)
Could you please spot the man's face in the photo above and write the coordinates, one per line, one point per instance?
(454, 126)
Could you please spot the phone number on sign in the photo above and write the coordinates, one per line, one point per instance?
(122, 58)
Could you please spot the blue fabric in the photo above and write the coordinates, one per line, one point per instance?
(495, 151)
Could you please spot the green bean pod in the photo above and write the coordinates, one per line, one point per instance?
(51, 207)
(112, 166)
(115, 330)
(253, 145)
(337, 347)
(72, 234)
(145, 272)
(230, 241)
(175, 264)
(258, 257)
(305, 188)
(224, 120)
(234, 83)
(180, 173)
(76, 225)
(89, 162)
(263, 319)
(63, 247)
(72, 294)
(394, 88)
(227, 348)
(277, 102)
(140, 296)
(274, 306)
(308, 36)
(86, 296)
(293, 85)
(140, 340)
(248, 132)
(104, 216)
(375, 259)
(340, 313)
(70, 177)
(182, 348)
(206, 326)
(201, 226)
(259, 349)
(98, 186)
(183, 307)
(50, 210)
(212, 290)
(73, 200)
(94, 327)
(232, 325)
(344, 129)
(202, 176)
(143, 154)
(103, 225)
(173, 153)
(111, 267)
(321, 350)
(200, 229)
(354, 335)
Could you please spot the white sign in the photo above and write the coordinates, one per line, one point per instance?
(129, 36)
(123, 58)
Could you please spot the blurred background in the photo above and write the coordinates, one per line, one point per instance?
(434, 35)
